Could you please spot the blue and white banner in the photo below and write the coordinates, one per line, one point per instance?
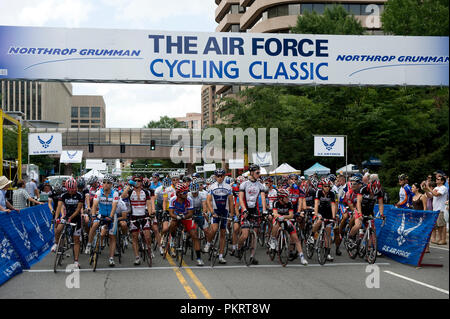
(327, 145)
(71, 156)
(44, 143)
(220, 58)
(25, 238)
(405, 233)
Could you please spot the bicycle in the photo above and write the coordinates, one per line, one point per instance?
(323, 243)
(307, 233)
(64, 244)
(264, 231)
(214, 248)
(145, 251)
(96, 243)
(180, 244)
(249, 247)
(367, 243)
(282, 245)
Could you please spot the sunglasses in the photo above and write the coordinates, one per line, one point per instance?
(325, 185)
(107, 183)
(258, 173)
(138, 181)
(220, 176)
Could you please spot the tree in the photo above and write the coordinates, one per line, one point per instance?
(416, 18)
(164, 122)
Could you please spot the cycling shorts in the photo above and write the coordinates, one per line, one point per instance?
(223, 221)
(77, 228)
(188, 224)
(252, 218)
(111, 227)
(201, 221)
(289, 226)
(138, 222)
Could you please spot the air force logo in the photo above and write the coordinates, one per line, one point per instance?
(71, 156)
(404, 232)
(44, 143)
(328, 146)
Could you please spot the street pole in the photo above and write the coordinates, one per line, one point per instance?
(346, 164)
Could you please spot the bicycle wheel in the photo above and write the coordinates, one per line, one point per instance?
(59, 250)
(283, 245)
(362, 247)
(309, 246)
(321, 249)
(119, 246)
(372, 247)
(352, 247)
(96, 253)
(261, 233)
(214, 249)
(249, 253)
(166, 245)
(148, 251)
(154, 242)
(179, 249)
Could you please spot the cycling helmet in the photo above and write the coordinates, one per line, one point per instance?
(326, 181)
(219, 171)
(187, 179)
(293, 176)
(332, 177)
(181, 188)
(282, 193)
(359, 175)
(196, 175)
(240, 179)
(155, 174)
(375, 187)
(253, 167)
(146, 182)
(174, 175)
(314, 183)
(108, 178)
(71, 184)
(194, 188)
(92, 180)
(81, 182)
(166, 182)
(402, 177)
(57, 188)
(356, 179)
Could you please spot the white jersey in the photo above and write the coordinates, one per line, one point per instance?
(251, 192)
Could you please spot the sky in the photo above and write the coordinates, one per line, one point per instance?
(141, 102)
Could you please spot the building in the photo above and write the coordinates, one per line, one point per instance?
(191, 120)
(51, 104)
(87, 111)
(274, 16)
(43, 104)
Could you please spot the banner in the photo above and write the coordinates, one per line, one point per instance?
(199, 169)
(236, 164)
(209, 167)
(25, 238)
(71, 157)
(405, 233)
(68, 54)
(326, 145)
(44, 143)
(262, 159)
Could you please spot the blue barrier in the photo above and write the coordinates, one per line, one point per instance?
(405, 233)
(25, 238)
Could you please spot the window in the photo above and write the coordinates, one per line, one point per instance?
(294, 9)
(235, 28)
(74, 111)
(74, 121)
(95, 111)
(84, 121)
(319, 8)
(234, 8)
(74, 126)
(95, 121)
(95, 126)
(354, 9)
(84, 126)
(84, 111)
(306, 7)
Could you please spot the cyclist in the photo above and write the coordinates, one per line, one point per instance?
(93, 188)
(162, 211)
(367, 196)
(181, 208)
(105, 200)
(406, 194)
(220, 203)
(324, 208)
(155, 182)
(236, 221)
(72, 202)
(200, 208)
(141, 209)
(248, 197)
(283, 210)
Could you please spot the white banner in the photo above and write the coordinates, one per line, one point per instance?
(96, 164)
(262, 159)
(329, 146)
(44, 143)
(199, 169)
(236, 164)
(71, 156)
(221, 58)
(209, 167)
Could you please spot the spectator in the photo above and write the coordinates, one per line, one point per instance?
(419, 203)
(21, 196)
(32, 189)
(431, 184)
(5, 205)
(405, 193)
(439, 194)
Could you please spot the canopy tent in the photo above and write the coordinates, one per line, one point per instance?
(93, 172)
(262, 170)
(350, 168)
(372, 162)
(284, 169)
(317, 168)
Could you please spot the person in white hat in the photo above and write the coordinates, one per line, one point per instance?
(5, 206)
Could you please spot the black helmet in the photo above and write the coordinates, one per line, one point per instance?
(253, 167)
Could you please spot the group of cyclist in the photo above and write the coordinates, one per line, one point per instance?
(216, 204)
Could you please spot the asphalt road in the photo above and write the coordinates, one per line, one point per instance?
(342, 278)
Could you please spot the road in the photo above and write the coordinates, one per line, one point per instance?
(343, 278)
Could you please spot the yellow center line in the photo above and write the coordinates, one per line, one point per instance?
(196, 281)
(180, 277)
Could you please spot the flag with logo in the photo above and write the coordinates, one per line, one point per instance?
(327, 145)
(44, 143)
(405, 233)
(71, 156)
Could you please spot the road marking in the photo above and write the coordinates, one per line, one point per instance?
(209, 267)
(183, 281)
(196, 281)
(437, 247)
(417, 282)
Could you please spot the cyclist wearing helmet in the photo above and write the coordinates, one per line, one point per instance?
(162, 208)
(181, 208)
(72, 201)
(324, 208)
(220, 203)
(283, 211)
(93, 188)
(105, 201)
(199, 202)
(248, 197)
(406, 194)
(155, 182)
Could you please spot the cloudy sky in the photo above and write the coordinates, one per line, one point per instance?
(143, 102)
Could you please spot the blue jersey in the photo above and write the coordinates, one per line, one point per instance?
(105, 203)
(153, 186)
(219, 194)
(406, 195)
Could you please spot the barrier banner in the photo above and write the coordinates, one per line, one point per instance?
(9, 260)
(405, 233)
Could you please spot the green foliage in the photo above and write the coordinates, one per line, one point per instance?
(164, 122)
(416, 18)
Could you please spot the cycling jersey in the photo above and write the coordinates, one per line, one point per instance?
(70, 202)
(219, 195)
(350, 198)
(251, 192)
(310, 196)
(368, 200)
(406, 196)
(295, 193)
(283, 209)
(105, 203)
(159, 193)
(92, 192)
(272, 197)
(197, 202)
(325, 201)
(138, 203)
(183, 207)
(154, 186)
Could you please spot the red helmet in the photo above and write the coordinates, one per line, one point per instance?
(282, 193)
(181, 188)
(375, 187)
(71, 184)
